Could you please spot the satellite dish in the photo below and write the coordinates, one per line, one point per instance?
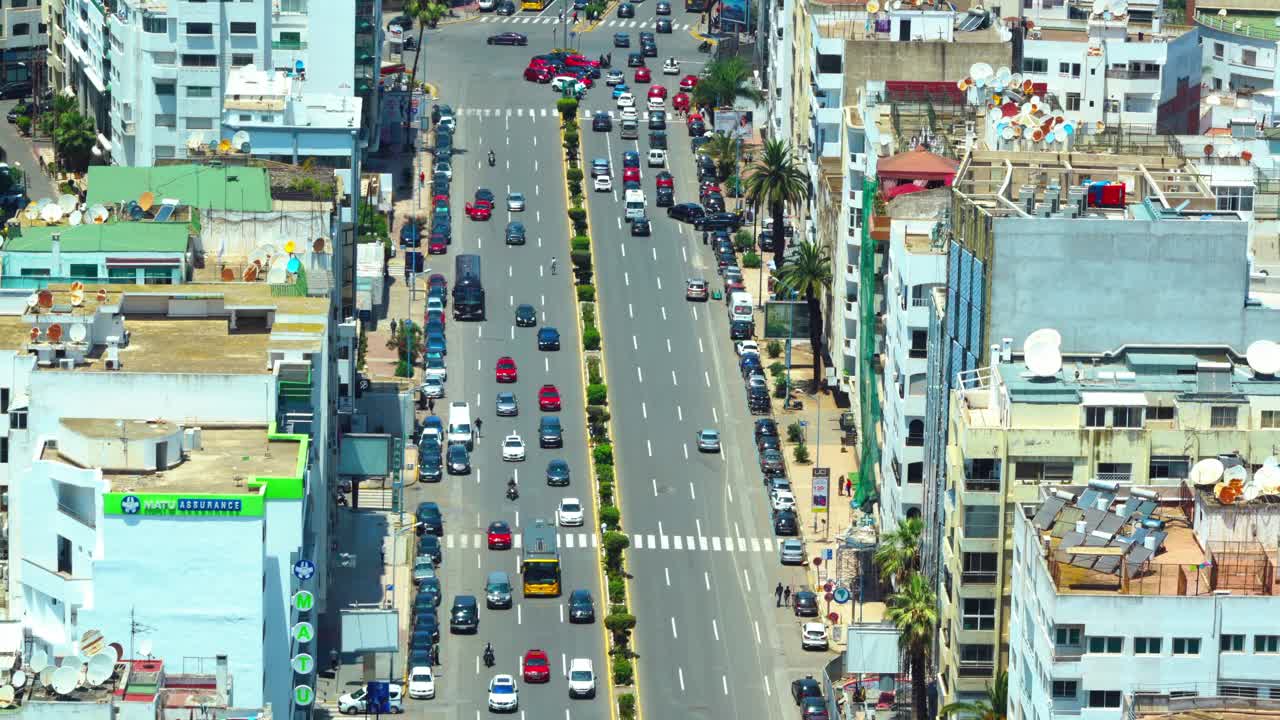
(51, 213)
(39, 661)
(54, 332)
(250, 273)
(43, 203)
(1235, 475)
(144, 647)
(146, 200)
(100, 668)
(290, 246)
(293, 266)
(102, 295)
(46, 676)
(78, 333)
(134, 210)
(44, 299)
(19, 679)
(1268, 478)
(277, 276)
(7, 694)
(77, 298)
(240, 141)
(1264, 357)
(981, 73)
(224, 145)
(67, 202)
(1207, 472)
(76, 217)
(1250, 492)
(117, 650)
(873, 7)
(1042, 359)
(1043, 335)
(66, 679)
(98, 214)
(228, 275)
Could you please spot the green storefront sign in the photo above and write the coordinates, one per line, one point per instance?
(175, 504)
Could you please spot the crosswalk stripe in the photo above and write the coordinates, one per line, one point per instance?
(594, 539)
(479, 540)
(755, 545)
(728, 544)
(678, 546)
(518, 541)
(664, 541)
(768, 544)
(448, 542)
(715, 543)
(638, 542)
(702, 542)
(568, 540)
(652, 543)
(582, 540)
(742, 544)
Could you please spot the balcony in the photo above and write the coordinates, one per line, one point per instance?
(76, 515)
(976, 668)
(129, 127)
(1068, 653)
(978, 577)
(288, 45)
(1128, 74)
(980, 484)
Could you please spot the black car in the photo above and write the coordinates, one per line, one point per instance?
(698, 141)
(785, 523)
(459, 460)
(805, 687)
(664, 25)
(550, 433)
(768, 442)
(626, 10)
(688, 212)
(658, 120)
(506, 7)
(582, 609)
(649, 49)
(430, 463)
(428, 596)
(741, 329)
(17, 111)
(484, 194)
(635, 60)
(658, 140)
(662, 8)
(439, 187)
(548, 339)
(704, 162)
(772, 464)
(429, 519)
(646, 37)
(640, 226)
(431, 588)
(697, 127)
(602, 122)
(430, 545)
(714, 203)
(515, 233)
(509, 38)
(404, 21)
(464, 616)
(526, 316)
(718, 221)
(621, 40)
(805, 602)
(766, 427)
(758, 401)
(814, 708)
(410, 43)
(665, 197)
(765, 239)
(558, 473)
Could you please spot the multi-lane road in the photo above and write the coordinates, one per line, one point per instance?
(704, 559)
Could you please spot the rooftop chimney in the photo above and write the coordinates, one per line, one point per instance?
(220, 676)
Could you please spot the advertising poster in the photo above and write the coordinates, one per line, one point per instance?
(821, 488)
(734, 15)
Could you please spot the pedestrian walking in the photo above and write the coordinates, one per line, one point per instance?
(840, 485)
(431, 405)
(575, 16)
(422, 177)
(479, 423)
(786, 597)
(848, 487)
(777, 595)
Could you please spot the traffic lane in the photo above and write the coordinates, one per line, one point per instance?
(21, 151)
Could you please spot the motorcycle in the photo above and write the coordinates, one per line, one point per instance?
(493, 159)
(512, 493)
(488, 657)
(705, 46)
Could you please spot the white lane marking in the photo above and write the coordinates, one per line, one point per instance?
(686, 451)
(756, 623)
(664, 311)
(626, 278)
(667, 573)
(664, 542)
(561, 614)
(715, 629)
(724, 681)
(542, 300)
(619, 223)
(715, 543)
(644, 410)
(697, 525)
(684, 255)
(679, 414)
(674, 633)
(513, 332)
(700, 345)
(635, 344)
(747, 579)
(655, 486)
(729, 486)
(630, 313)
(655, 257)
(742, 544)
(639, 375)
(659, 281)
(767, 691)
(692, 495)
(623, 247)
(715, 416)
(546, 364)
(706, 580)
(679, 672)
(648, 445)
(519, 615)
(668, 344)
(679, 546)
(695, 312)
(706, 375)
(673, 378)
(689, 539)
(755, 545)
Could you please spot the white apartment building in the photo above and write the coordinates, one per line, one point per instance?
(917, 263)
(23, 39)
(1161, 599)
(155, 73)
(1240, 47)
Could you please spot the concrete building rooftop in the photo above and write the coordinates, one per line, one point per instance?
(1136, 372)
(105, 237)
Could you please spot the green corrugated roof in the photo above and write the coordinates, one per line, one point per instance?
(218, 188)
(108, 237)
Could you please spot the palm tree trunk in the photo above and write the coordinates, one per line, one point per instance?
(919, 690)
(815, 337)
(413, 74)
(776, 211)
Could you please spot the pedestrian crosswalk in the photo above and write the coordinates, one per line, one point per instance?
(554, 20)
(639, 541)
(540, 113)
(478, 541)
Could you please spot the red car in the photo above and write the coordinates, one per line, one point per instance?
(658, 91)
(480, 210)
(505, 372)
(437, 199)
(536, 667)
(437, 244)
(666, 180)
(537, 74)
(631, 175)
(499, 535)
(642, 75)
(548, 398)
(680, 102)
(688, 82)
(582, 74)
(580, 61)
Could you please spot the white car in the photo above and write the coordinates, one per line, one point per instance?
(436, 369)
(487, 5)
(354, 702)
(655, 104)
(515, 202)
(569, 514)
(603, 183)
(629, 113)
(582, 678)
(513, 448)
(435, 303)
(504, 696)
(433, 387)
(747, 346)
(626, 100)
(574, 84)
(448, 123)
(671, 67)
(444, 167)
(813, 636)
(614, 77)
(422, 683)
(783, 500)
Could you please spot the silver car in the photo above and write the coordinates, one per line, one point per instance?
(515, 202)
(505, 405)
(423, 568)
(432, 387)
(708, 440)
(497, 590)
(791, 552)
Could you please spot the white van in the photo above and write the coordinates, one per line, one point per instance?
(460, 424)
(657, 158)
(582, 678)
(740, 307)
(635, 204)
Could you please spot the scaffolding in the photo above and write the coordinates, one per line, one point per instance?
(868, 394)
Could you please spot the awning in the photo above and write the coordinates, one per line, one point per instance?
(104, 142)
(1114, 399)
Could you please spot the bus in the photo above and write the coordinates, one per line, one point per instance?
(540, 561)
(535, 5)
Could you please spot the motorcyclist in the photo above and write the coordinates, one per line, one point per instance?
(492, 158)
(488, 655)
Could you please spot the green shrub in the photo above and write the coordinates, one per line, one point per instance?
(570, 138)
(795, 433)
(589, 314)
(606, 492)
(597, 394)
(602, 454)
(604, 473)
(742, 241)
(611, 516)
(620, 624)
(776, 369)
(579, 218)
(780, 386)
(801, 453)
(627, 706)
(623, 673)
(575, 188)
(574, 174)
(581, 259)
(590, 338)
(750, 260)
(568, 109)
(587, 292)
(593, 376)
(580, 242)
(617, 590)
(773, 349)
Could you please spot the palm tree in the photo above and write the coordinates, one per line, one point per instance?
(808, 274)
(914, 611)
(73, 139)
(60, 106)
(724, 150)
(995, 706)
(725, 82)
(898, 555)
(424, 12)
(774, 182)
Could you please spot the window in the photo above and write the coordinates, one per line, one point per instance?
(4, 449)
(241, 59)
(42, 29)
(167, 120)
(199, 28)
(1186, 646)
(18, 419)
(1223, 416)
(1104, 698)
(4, 400)
(1065, 689)
(1168, 467)
(1111, 105)
(1035, 65)
(22, 29)
(1243, 691)
(1075, 67)
(1219, 50)
(1115, 472)
(164, 58)
(1064, 68)
(169, 88)
(1146, 646)
(1067, 636)
(981, 521)
(1231, 197)
(199, 60)
(244, 28)
(1073, 101)
(155, 25)
(1266, 643)
(245, 118)
(1231, 643)
(18, 3)
(199, 91)
(1271, 418)
(1249, 57)
(1126, 417)
(199, 123)
(1095, 417)
(1044, 471)
(977, 654)
(165, 151)
(1106, 644)
(1162, 412)
(84, 270)
(979, 614)
(293, 6)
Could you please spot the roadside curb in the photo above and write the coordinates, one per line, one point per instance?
(591, 462)
(699, 36)
(459, 20)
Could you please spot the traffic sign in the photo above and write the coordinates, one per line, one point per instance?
(817, 561)
(829, 597)
(304, 570)
(378, 699)
(828, 586)
(842, 595)
(828, 553)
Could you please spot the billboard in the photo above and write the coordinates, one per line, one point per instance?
(734, 15)
(785, 319)
(734, 123)
(821, 488)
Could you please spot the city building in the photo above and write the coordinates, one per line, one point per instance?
(1239, 54)
(271, 116)
(128, 252)
(52, 14)
(1165, 602)
(155, 76)
(23, 42)
(148, 430)
(1028, 249)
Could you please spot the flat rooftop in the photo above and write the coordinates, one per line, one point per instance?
(1136, 372)
(229, 458)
